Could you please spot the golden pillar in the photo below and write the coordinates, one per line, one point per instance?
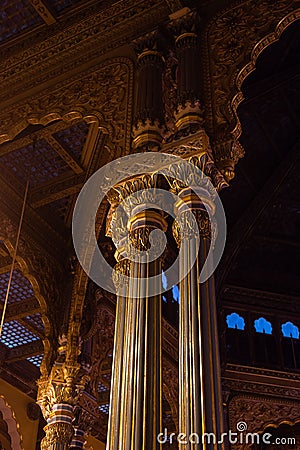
(136, 389)
(57, 396)
(200, 399)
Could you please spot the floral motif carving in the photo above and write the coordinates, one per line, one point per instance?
(234, 40)
(57, 433)
(102, 95)
(259, 413)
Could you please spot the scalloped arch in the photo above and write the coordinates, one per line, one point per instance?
(251, 66)
(39, 296)
(12, 424)
(233, 40)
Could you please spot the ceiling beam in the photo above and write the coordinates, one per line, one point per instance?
(21, 309)
(25, 350)
(31, 328)
(43, 11)
(56, 190)
(21, 142)
(63, 153)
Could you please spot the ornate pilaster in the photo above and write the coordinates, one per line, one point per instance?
(149, 116)
(200, 399)
(57, 396)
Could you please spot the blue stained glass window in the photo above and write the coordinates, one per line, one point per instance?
(235, 321)
(176, 294)
(164, 280)
(261, 325)
(290, 330)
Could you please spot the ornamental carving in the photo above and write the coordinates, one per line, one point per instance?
(57, 433)
(259, 413)
(234, 40)
(44, 274)
(103, 95)
(185, 228)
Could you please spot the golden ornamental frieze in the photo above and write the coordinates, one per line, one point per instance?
(258, 413)
(80, 43)
(103, 95)
(234, 39)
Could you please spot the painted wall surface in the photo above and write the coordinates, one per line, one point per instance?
(18, 401)
(94, 444)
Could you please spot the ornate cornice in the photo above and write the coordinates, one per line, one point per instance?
(78, 45)
(102, 96)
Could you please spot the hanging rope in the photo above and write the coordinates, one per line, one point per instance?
(15, 251)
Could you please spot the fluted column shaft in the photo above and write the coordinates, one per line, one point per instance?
(189, 111)
(187, 49)
(120, 359)
(200, 400)
(135, 405)
(149, 109)
(149, 103)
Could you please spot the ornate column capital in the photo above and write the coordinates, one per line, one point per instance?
(184, 228)
(121, 274)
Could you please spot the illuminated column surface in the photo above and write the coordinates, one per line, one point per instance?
(200, 400)
(135, 411)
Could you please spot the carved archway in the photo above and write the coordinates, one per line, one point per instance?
(102, 95)
(12, 424)
(38, 270)
(233, 41)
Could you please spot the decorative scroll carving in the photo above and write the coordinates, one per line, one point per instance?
(58, 432)
(259, 413)
(234, 40)
(103, 95)
(121, 273)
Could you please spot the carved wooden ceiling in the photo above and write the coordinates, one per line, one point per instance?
(24, 16)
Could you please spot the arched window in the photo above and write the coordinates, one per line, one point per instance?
(290, 330)
(175, 289)
(235, 321)
(164, 280)
(261, 325)
(176, 294)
